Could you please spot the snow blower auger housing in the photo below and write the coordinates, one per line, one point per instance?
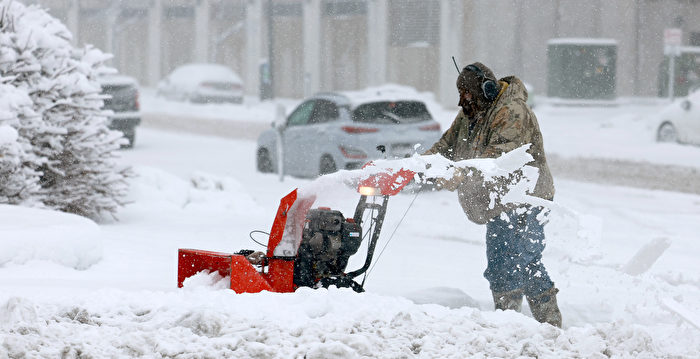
(306, 247)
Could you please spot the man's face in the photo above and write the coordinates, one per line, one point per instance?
(466, 102)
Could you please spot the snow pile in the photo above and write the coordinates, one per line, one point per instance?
(29, 234)
(334, 323)
(202, 193)
(34, 234)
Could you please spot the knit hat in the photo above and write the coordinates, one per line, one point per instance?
(472, 81)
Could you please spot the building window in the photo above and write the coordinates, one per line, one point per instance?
(287, 9)
(344, 7)
(695, 38)
(414, 22)
(174, 12)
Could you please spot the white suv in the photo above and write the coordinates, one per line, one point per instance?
(345, 130)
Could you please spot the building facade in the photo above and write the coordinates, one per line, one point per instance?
(320, 45)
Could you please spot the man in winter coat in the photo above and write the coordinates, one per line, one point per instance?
(494, 119)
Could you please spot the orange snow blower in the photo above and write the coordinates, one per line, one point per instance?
(306, 247)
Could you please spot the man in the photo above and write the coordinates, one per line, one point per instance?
(494, 119)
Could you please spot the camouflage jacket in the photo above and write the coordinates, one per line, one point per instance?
(504, 126)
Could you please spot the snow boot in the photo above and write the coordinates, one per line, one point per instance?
(544, 307)
(511, 300)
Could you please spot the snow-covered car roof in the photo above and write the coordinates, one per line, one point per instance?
(673, 109)
(389, 92)
(194, 73)
(116, 80)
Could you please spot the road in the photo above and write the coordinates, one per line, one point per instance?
(248, 130)
(627, 173)
(594, 170)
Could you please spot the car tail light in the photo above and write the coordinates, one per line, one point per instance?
(432, 127)
(354, 153)
(137, 104)
(355, 129)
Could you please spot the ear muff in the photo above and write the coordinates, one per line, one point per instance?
(488, 86)
(490, 89)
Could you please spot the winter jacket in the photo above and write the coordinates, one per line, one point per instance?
(505, 125)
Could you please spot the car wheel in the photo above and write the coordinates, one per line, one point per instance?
(327, 165)
(131, 137)
(667, 133)
(264, 161)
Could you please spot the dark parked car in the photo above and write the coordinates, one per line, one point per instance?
(345, 130)
(123, 102)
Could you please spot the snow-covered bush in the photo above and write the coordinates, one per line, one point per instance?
(73, 153)
(19, 182)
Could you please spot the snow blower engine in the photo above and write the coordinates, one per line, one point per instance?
(306, 247)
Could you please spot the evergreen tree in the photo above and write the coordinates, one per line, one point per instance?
(19, 182)
(75, 151)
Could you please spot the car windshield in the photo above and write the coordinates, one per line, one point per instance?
(391, 112)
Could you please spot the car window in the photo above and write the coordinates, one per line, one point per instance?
(301, 114)
(324, 111)
(391, 112)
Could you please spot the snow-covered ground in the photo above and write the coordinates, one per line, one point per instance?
(624, 259)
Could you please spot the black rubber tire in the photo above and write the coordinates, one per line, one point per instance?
(327, 165)
(264, 161)
(667, 133)
(131, 137)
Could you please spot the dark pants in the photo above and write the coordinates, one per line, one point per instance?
(514, 245)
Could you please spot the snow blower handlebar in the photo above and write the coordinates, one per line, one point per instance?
(375, 227)
(387, 183)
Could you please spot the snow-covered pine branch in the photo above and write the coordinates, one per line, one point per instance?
(74, 152)
(19, 183)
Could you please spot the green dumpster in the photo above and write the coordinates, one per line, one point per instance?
(581, 68)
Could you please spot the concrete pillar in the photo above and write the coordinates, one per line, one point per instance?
(201, 25)
(110, 24)
(312, 46)
(73, 12)
(451, 18)
(155, 18)
(377, 25)
(253, 33)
